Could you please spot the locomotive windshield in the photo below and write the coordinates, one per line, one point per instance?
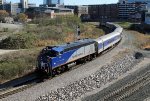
(50, 53)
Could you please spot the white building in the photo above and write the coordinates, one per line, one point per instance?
(123, 1)
(51, 2)
(24, 4)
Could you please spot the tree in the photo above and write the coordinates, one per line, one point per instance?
(22, 17)
(3, 14)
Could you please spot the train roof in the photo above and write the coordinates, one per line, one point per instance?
(110, 35)
(73, 45)
(106, 37)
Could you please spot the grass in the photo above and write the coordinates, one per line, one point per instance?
(143, 40)
(16, 64)
(18, 41)
(125, 25)
(4, 32)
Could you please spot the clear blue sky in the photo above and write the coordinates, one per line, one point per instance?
(72, 2)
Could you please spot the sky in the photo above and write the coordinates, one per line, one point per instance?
(72, 2)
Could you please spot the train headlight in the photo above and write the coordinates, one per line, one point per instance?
(42, 64)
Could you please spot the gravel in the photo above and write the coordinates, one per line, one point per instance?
(96, 80)
(138, 70)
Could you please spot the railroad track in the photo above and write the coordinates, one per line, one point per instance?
(14, 90)
(18, 85)
(128, 89)
(21, 86)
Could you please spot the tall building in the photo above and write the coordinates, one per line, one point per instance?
(132, 1)
(16, 8)
(51, 2)
(12, 8)
(24, 3)
(131, 8)
(123, 1)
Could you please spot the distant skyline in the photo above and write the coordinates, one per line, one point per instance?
(72, 2)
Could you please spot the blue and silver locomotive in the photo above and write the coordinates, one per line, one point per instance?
(55, 58)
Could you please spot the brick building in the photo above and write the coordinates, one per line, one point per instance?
(101, 12)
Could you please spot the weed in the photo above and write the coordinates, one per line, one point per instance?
(17, 64)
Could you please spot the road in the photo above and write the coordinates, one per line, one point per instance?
(11, 26)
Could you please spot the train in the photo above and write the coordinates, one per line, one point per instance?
(53, 60)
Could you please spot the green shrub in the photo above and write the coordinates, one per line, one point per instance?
(124, 24)
(19, 41)
(69, 20)
(17, 64)
(5, 29)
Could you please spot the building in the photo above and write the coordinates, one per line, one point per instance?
(147, 15)
(51, 2)
(147, 18)
(102, 12)
(133, 1)
(24, 4)
(140, 8)
(130, 10)
(78, 10)
(126, 9)
(123, 1)
(31, 5)
(2, 2)
(52, 12)
(12, 8)
(82, 10)
(15, 8)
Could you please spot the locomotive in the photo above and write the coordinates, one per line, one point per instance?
(54, 59)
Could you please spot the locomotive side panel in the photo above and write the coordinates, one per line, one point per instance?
(72, 55)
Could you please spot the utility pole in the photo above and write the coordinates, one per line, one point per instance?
(78, 32)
